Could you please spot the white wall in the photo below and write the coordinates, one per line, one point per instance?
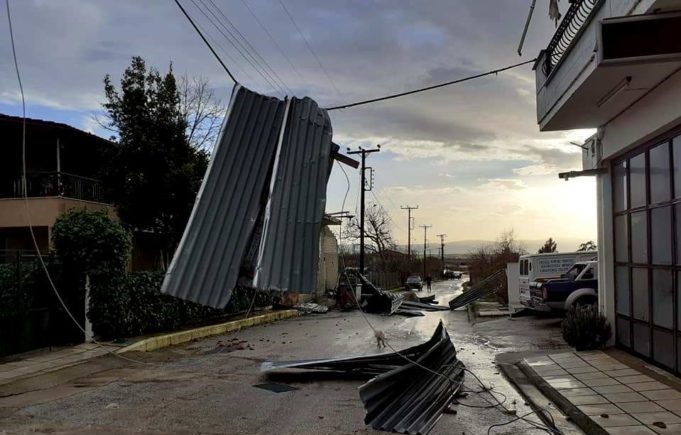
(512, 281)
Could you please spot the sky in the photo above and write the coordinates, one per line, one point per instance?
(471, 156)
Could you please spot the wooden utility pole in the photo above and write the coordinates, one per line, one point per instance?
(442, 249)
(425, 246)
(364, 188)
(409, 227)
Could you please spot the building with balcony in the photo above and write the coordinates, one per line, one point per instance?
(615, 66)
(62, 164)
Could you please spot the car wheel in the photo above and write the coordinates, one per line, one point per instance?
(585, 301)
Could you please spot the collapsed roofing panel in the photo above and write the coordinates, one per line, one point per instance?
(411, 388)
(411, 399)
(206, 265)
(289, 249)
(257, 217)
(487, 286)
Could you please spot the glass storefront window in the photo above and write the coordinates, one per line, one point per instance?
(663, 298)
(621, 239)
(660, 176)
(661, 235)
(622, 290)
(637, 186)
(676, 151)
(639, 237)
(639, 290)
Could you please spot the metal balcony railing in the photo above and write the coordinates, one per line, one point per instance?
(51, 184)
(576, 17)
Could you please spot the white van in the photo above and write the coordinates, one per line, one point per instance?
(540, 267)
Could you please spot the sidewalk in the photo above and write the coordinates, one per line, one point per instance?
(621, 394)
(44, 361)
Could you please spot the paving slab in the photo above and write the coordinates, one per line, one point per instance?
(622, 395)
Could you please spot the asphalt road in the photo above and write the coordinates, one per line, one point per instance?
(207, 386)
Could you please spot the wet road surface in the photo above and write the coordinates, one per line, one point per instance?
(207, 386)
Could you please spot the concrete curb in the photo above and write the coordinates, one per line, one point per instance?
(578, 417)
(174, 338)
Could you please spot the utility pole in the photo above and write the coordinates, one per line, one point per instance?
(409, 227)
(442, 249)
(425, 245)
(365, 188)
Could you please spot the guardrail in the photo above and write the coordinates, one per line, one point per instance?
(50, 184)
(576, 18)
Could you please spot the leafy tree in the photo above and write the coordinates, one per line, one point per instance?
(154, 173)
(549, 246)
(588, 246)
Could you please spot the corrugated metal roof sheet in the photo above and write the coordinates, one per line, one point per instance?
(289, 250)
(410, 399)
(206, 265)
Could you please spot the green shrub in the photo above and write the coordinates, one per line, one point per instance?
(15, 294)
(584, 328)
(125, 304)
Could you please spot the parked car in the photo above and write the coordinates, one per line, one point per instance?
(537, 268)
(578, 286)
(414, 282)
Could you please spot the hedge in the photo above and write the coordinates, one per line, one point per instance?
(126, 304)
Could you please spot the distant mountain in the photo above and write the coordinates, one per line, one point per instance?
(467, 246)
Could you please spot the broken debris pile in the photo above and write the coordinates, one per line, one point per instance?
(487, 286)
(411, 388)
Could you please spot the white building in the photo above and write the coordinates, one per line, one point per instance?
(615, 65)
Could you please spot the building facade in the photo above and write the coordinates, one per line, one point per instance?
(615, 66)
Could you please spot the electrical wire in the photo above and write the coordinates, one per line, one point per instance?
(235, 44)
(428, 88)
(205, 41)
(24, 187)
(272, 39)
(309, 47)
(253, 51)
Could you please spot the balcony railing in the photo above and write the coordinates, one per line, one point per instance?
(576, 17)
(53, 184)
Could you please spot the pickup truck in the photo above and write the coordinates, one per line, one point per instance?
(578, 286)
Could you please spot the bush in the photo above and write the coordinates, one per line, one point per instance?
(125, 304)
(584, 328)
(136, 306)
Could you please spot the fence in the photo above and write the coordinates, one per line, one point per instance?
(30, 314)
(385, 280)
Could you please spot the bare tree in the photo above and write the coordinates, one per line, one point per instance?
(202, 110)
(377, 231)
(588, 246)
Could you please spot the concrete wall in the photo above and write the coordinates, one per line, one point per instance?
(15, 213)
(327, 275)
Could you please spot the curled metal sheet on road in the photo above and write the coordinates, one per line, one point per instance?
(489, 285)
(289, 249)
(411, 388)
(411, 305)
(206, 264)
(411, 398)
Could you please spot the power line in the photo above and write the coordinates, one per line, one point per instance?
(309, 47)
(428, 88)
(271, 38)
(253, 51)
(229, 36)
(210, 47)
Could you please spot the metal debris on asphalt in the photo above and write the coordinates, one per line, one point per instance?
(411, 388)
(487, 286)
(276, 387)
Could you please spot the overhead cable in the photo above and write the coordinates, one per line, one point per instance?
(229, 36)
(253, 51)
(428, 88)
(210, 47)
(271, 38)
(309, 47)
